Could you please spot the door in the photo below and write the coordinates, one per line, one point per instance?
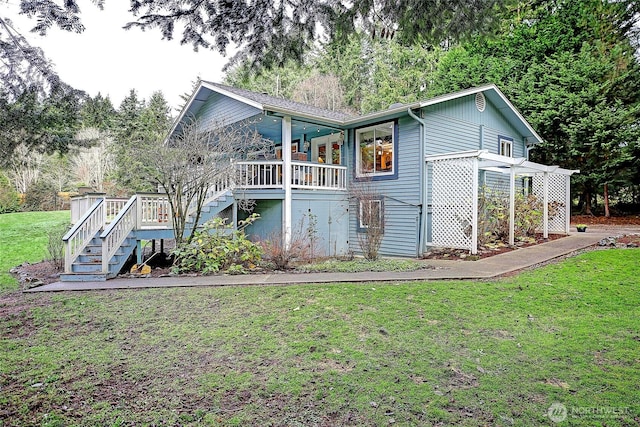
(327, 149)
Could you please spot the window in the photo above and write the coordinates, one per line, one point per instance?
(375, 153)
(370, 214)
(506, 146)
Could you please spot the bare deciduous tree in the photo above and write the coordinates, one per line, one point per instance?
(322, 91)
(24, 168)
(370, 209)
(198, 161)
(93, 165)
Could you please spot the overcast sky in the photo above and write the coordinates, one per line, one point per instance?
(107, 59)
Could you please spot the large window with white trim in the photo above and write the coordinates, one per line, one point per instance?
(375, 150)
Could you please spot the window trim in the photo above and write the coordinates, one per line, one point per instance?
(362, 228)
(505, 139)
(373, 176)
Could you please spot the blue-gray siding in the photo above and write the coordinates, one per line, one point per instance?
(457, 125)
(325, 213)
(401, 196)
(222, 110)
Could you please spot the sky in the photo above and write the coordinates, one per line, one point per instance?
(108, 59)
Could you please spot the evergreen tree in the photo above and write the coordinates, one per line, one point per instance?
(45, 125)
(138, 125)
(98, 113)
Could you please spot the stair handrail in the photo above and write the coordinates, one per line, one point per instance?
(77, 238)
(116, 233)
(219, 187)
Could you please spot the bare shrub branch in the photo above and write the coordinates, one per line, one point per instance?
(197, 162)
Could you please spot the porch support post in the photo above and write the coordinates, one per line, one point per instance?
(286, 177)
(567, 204)
(234, 215)
(139, 251)
(474, 210)
(545, 208)
(512, 204)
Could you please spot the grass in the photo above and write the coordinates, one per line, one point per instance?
(424, 353)
(23, 237)
(359, 264)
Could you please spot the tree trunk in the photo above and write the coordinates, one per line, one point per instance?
(607, 214)
(587, 203)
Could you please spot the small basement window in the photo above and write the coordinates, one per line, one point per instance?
(370, 213)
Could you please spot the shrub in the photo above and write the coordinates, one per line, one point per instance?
(302, 247)
(55, 245)
(41, 196)
(218, 247)
(9, 199)
(493, 215)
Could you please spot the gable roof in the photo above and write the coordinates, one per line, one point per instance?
(299, 110)
(272, 103)
(491, 91)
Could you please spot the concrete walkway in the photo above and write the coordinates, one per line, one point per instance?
(443, 269)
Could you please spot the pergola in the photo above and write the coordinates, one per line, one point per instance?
(454, 195)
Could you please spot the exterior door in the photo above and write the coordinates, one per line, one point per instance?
(327, 149)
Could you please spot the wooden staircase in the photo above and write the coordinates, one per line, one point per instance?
(116, 231)
(88, 266)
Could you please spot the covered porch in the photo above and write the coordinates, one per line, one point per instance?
(455, 187)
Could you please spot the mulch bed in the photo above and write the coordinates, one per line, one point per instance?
(489, 250)
(601, 220)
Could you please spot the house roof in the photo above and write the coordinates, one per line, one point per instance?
(491, 91)
(280, 106)
(272, 103)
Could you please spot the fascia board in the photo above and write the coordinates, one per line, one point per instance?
(232, 95)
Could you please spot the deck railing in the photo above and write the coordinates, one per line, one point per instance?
(318, 176)
(82, 232)
(113, 236)
(259, 174)
(112, 207)
(154, 211)
(81, 204)
(268, 174)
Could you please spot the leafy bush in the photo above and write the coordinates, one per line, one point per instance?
(493, 215)
(218, 247)
(9, 199)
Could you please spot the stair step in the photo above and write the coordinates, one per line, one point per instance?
(89, 258)
(83, 277)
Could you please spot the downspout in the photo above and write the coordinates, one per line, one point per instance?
(422, 222)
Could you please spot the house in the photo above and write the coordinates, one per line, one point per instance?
(422, 165)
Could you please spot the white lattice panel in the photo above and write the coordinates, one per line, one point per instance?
(452, 202)
(556, 199)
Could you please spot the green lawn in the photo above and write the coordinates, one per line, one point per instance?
(428, 353)
(23, 237)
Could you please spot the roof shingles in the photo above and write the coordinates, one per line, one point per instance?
(272, 101)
